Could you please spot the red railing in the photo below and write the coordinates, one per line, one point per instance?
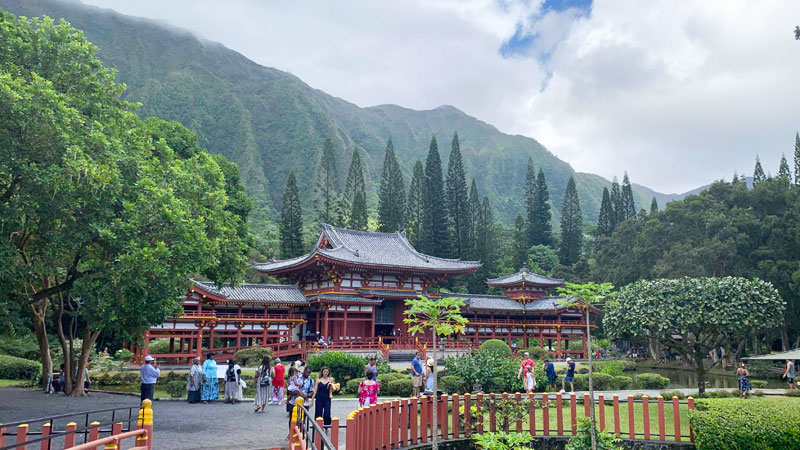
(480, 321)
(243, 316)
(408, 422)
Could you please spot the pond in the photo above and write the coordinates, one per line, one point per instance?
(681, 378)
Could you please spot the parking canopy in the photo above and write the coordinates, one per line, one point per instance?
(791, 354)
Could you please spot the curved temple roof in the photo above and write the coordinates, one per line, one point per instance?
(525, 276)
(255, 293)
(391, 250)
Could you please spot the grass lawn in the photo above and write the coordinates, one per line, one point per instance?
(15, 383)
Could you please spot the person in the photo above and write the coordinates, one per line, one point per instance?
(278, 373)
(195, 382)
(530, 380)
(429, 377)
(788, 374)
(149, 374)
(323, 343)
(372, 368)
(321, 398)
(232, 382)
(526, 362)
(263, 381)
(306, 384)
(569, 377)
(368, 391)
(61, 384)
(744, 381)
(210, 380)
(550, 371)
(300, 366)
(292, 393)
(416, 373)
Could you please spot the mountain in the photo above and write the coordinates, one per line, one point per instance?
(269, 121)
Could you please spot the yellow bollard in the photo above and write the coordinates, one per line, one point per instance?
(145, 422)
(295, 435)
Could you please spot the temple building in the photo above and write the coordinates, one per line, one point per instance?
(350, 290)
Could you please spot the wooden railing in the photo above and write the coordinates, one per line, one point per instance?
(50, 439)
(243, 316)
(305, 430)
(407, 422)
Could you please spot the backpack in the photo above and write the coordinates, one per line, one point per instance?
(265, 379)
(230, 374)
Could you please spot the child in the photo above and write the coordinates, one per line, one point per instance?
(530, 380)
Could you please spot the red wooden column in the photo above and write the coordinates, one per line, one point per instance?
(393, 441)
(616, 416)
(646, 417)
(676, 418)
(344, 322)
(661, 421)
(602, 402)
(631, 424)
(558, 340)
(325, 323)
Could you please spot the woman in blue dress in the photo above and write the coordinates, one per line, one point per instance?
(744, 380)
(210, 381)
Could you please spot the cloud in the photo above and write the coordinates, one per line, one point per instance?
(676, 93)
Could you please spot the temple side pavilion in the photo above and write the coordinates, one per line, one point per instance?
(351, 287)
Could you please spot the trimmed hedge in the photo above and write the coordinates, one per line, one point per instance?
(115, 378)
(351, 387)
(739, 424)
(402, 387)
(344, 366)
(453, 384)
(651, 381)
(758, 384)
(176, 389)
(158, 346)
(623, 382)
(252, 356)
(497, 345)
(14, 368)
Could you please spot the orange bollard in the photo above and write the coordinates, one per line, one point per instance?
(676, 418)
(573, 407)
(413, 420)
(661, 421)
(146, 422)
(559, 415)
(45, 445)
(545, 415)
(601, 401)
(335, 432)
(22, 436)
(69, 437)
(349, 438)
(646, 416)
(456, 416)
(691, 408)
(631, 424)
(94, 432)
(318, 436)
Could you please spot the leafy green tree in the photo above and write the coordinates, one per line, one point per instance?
(326, 186)
(628, 205)
(415, 212)
(291, 226)
(358, 213)
(758, 172)
(571, 226)
(797, 159)
(435, 230)
(485, 243)
(520, 245)
(616, 203)
(695, 315)
(392, 195)
(458, 200)
(542, 259)
(442, 318)
(474, 210)
(542, 229)
(605, 222)
(530, 200)
(654, 206)
(783, 170)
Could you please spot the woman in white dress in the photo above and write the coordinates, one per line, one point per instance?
(233, 387)
(530, 379)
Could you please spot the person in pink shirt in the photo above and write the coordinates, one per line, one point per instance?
(368, 390)
(526, 361)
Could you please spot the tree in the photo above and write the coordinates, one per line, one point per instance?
(695, 315)
(542, 230)
(355, 178)
(605, 221)
(797, 159)
(326, 185)
(392, 195)
(474, 210)
(415, 212)
(435, 231)
(783, 170)
(628, 205)
(484, 247)
(520, 245)
(358, 213)
(587, 296)
(654, 206)
(355, 197)
(616, 204)
(443, 318)
(102, 220)
(571, 226)
(458, 200)
(542, 259)
(758, 172)
(530, 201)
(291, 226)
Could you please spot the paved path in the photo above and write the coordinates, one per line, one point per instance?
(178, 425)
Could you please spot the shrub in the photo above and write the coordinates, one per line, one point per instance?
(583, 440)
(158, 346)
(386, 378)
(614, 368)
(582, 370)
(538, 353)
(483, 366)
(793, 393)
(172, 376)
(402, 387)
(252, 356)
(453, 384)
(14, 368)
(351, 387)
(651, 381)
(758, 393)
(500, 440)
(669, 394)
(623, 382)
(600, 382)
(176, 389)
(123, 355)
(497, 345)
(745, 424)
(720, 394)
(761, 384)
(22, 347)
(628, 365)
(344, 366)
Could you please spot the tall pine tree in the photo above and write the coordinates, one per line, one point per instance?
(415, 212)
(654, 206)
(530, 202)
(484, 248)
(627, 198)
(571, 226)
(355, 177)
(291, 226)
(457, 200)
(797, 159)
(358, 212)
(435, 231)
(474, 209)
(542, 229)
(758, 172)
(392, 195)
(616, 204)
(605, 222)
(326, 186)
(520, 245)
(783, 170)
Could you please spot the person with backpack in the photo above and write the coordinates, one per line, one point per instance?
(232, 382)
(263, 380)
(550, 371)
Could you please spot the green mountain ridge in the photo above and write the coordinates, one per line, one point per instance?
(269, 121)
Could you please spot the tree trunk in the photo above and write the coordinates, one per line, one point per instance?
(784, 339)
(89, 338)
(39, 310)
(592, 431)
(700, 369)
(434, 443)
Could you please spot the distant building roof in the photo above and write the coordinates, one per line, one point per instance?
(255, 293)
(525, 276)
(391, 250)
(503, 303)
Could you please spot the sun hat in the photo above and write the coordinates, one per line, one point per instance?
(430, 362)
(569, 359)
(149, 358)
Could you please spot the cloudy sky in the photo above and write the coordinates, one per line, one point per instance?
(676, 93)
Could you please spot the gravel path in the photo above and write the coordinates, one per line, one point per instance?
(178, 425)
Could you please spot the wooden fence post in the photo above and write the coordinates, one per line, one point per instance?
(492, 417)
(661, 421)
(456, 416)
(691, 408)
(442, 405)
(518, 399)
(532, 413)
(479, 404)
(45, 445)
(335, 433)
(349, 438)
(69, 438)
(94, 432)
(386, 424)
(467, 415)
(115, 429)
(676, 418)
(318, 436)
(586, 405)
(631, 422)
(559, 415)
(395, 424)
(423, 419)
(601, 401)
(413, 420)
(646, 416)
(573, 407)
(22, 435)
(617, 425)
(545, 415)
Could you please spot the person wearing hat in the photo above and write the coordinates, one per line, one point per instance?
(429, 377)
(195, 382)
(149, 373)
(233, 391)
(570, 376)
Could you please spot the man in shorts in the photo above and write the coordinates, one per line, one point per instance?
(416, 373)
(569, 377)
(788, 374)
